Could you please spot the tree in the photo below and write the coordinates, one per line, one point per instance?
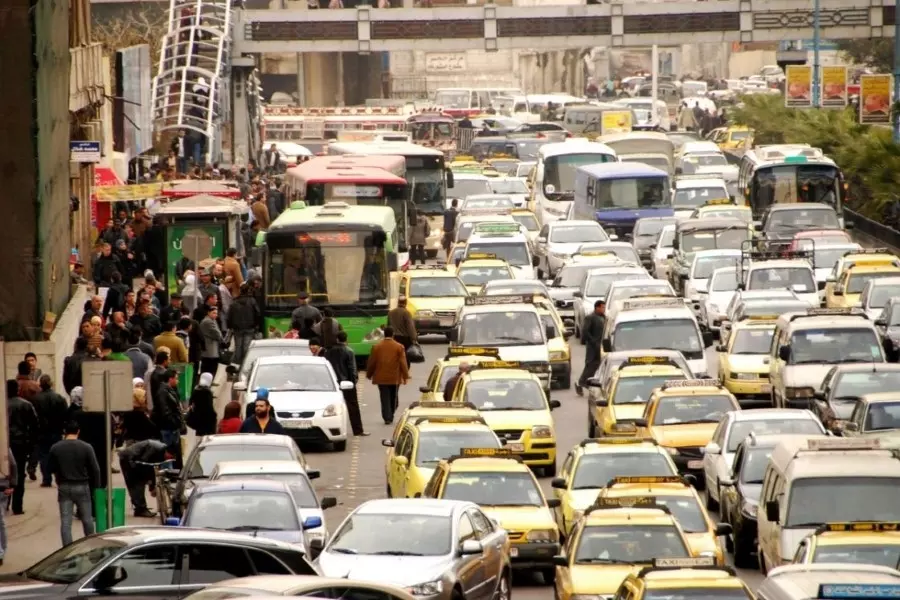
(876, 53)
(132, 28)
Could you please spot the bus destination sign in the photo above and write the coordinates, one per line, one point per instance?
(353, 191)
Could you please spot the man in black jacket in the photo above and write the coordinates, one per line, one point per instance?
(343, 361)
(137, 475)
(158, 375)
(242, 318)
(105, 265)
(167, 413)
(52, 413)
(23, 428)
(72, 365)
(592, 336)
(115, 296)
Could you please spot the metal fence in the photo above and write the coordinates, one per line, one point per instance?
(878, 232)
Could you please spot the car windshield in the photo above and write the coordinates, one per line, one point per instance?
(487, 202)
(210, 456)
(704, 266)
(596, 470)
(802, 219)
(513, 288)
(666, 238)
(243, 510)
(698, 593)
(651, 288)
(752, 341)
(664, 334)
(435, 446)
(463, 188)
(705, 160)
(70, 563)
(574, 234)
(598, 285)
(730, 239)
(493, 489)
(506, 394)
(528, 221)
(686, 410)
(849, 387)
(509, 186)
(624, 252)
(856, 283)
(649, 227)
(512, 328)
(814, 501)
(629, 544)
(515, 254)
(725, 281)
(436, 287)
(835, 346)
(287, 377)
(753, 468)
(882, 416)
(781, 426)
(637, 390)
(304, 496)
(798, 279)
(885, 555)
(826, 257)
(571, 275)
(694, 197)
(398, 533)
(879, 296)
(687, 511)
(481, 275)
(258, 351)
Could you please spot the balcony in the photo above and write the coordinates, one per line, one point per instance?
(85, 76)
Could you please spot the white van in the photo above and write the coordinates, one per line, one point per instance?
(827, 580)
(822, 480)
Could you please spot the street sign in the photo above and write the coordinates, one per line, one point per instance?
(84, 152)
(120, 390)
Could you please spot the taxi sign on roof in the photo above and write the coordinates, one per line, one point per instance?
(481, 256)
(677, 383)
(838, 444)
(819, 312)
(685, 563)
(442, 405)
(841, 591)
(508, 299)
(449, 420)
(647, 479)
(627, 502)
(869, 251)
(861, 526)
(487, 210)
(594, 253)
(493, 452)
(642, 303)
(719, 202)
(867, 262)
(456, 351)
(499, 364)
(498, 228)
(634, 361)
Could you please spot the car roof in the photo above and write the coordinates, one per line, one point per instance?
(251, 467)
(282, 584)
(801, 206)
(880, 397)
(707, 223)
(278, 343)
(246, 439)
(412, 507)
(242, 485)
(291, 360)
(756, 414)
(130, 535)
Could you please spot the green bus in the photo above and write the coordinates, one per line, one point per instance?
(342, 256)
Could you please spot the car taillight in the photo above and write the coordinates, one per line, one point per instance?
(540, 136)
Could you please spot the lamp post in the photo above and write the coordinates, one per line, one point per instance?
(816, 78)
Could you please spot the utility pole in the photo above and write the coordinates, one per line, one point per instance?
(816, 76)
(896, 118)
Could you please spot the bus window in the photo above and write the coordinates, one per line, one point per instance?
(632, 193)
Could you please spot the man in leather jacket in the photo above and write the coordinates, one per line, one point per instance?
(343, 361)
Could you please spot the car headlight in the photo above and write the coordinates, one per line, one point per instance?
(427, 314)
(543, 535)
(430, 588)
(376, 335)
(330, 411)
(559, 355)
(750, 509)
(672, 451)
(541, 431)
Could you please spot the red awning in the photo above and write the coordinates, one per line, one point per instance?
(105, 176)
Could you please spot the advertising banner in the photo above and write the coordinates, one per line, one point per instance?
(798, 86)
(834, 86)
(875, 99)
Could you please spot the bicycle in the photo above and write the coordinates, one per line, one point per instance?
(162, 486)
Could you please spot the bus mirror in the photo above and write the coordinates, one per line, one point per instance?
(392, 261)
(849, 224)
(449, 178)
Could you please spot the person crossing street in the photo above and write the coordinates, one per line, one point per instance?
(592, 336)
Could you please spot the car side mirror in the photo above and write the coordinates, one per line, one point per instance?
(347, 385)
(535, 261)
(561, 561)
(848, 426)
(470, 547)
(424, 389)
(784, 352)
(554, 503)
(387, 443)
(772, 511)
(712, 448)
(313, 473)
(239, 386)
(606, 345)
(558, 483)
(578, 294)
(312, 522)
(401, 461)
(640, 422)
(723, 529)
(231, 369)
(555, 404)
(328, 502)
(109, 577)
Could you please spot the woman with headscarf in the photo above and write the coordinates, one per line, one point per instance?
(189, 292)
(76, 403)
(231, 418)
(201, 415)
(136, 423)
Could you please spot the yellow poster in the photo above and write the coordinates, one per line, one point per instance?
(798, 86)
(834, 86)
(615, 121)
(875, 99)
(128, 193)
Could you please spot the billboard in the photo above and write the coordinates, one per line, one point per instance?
(133, 110)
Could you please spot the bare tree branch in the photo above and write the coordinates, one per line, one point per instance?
(132, 29)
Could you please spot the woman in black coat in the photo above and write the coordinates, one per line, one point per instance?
(202, 416)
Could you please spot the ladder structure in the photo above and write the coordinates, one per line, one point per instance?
(190, 89)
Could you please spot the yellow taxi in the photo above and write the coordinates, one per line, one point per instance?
(509, 493)
(420, 409)
(682, 416)
(723, 208)
(433, 297)
(684, 579)
(557, 344)
(513, 403)
(593, 463)
(850, 283)
(857, 542)
(732, 138)
(613, 540)
(478, 269)
(682, 500)
(872, 257)
(445, 368)
(526, 219)
(421, 444)
(463, 160)
(614, 405)
(744, 359)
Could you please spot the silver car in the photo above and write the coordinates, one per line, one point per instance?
(435, 549)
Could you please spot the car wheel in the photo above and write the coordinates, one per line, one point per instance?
(504, 589)
(549, 575)
(340, 446)
(712, 503)
(743, 553)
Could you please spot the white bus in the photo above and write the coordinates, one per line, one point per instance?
(553, 179)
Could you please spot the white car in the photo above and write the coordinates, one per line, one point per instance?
(557, 242)
(662, 251)
(513, 187)
(784, 274)
(876, 293)
(297, 479)
(596, 284)
(696, 288)
(691, 192)
(735, 426)
(721, 287)
(305, 395)
(620, 291)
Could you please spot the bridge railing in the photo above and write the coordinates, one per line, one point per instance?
(879, 233)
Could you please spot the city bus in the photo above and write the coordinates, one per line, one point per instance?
(616, 195)
(553, 178)
(427, 175)
(355, 180)
(788, 173)
(434, 129)
(342, 256)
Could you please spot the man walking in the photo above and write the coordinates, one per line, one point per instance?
(449, 228)
(343, 361)
(242, 320)
(7, 486)
(23, 428)
(52, 413)
(303, 312)
(167, 413)
(74, 464)
(451, 383)
(212, 337)
(261, 420)
(402, 324)
(388, 370)
(171, 342)
(137, 475)
(592, 336)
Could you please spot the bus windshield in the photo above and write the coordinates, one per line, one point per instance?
(559, 171)
(632, 193)
(452, 98)
(338, 268)
(787, 184)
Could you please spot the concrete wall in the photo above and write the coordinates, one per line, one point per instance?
(744, 64)
(471, 68)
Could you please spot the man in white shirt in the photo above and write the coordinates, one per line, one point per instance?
(182, 148)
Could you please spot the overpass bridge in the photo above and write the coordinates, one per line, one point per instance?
(490, 27)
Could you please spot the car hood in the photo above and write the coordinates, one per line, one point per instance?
(444, 303)
(600, 579)
(288, 401)
(805, 375)
(748, 363)
(402, 571)
(514, 518)
(515, 419)
(562, 293)
(17, 585)
(677, 436)
(720, 299)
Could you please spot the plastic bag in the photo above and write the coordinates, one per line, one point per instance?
(414, 354)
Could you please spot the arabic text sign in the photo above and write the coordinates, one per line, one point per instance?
(84, 152)
(875, 99)
(834, 86)
(798, 86)
(128, 193)
(445, 62)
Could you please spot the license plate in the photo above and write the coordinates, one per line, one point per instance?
(515, 447)
(695, 464)
(765, 388)
(299, 424)
(446, 321)
(513, 552)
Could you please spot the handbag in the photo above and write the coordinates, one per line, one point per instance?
(414, 354)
